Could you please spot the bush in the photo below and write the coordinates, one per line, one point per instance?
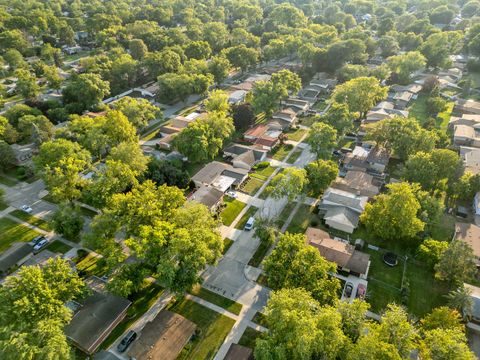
(261, 165)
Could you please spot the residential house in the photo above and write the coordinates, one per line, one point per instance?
(219, 175)
(263, 136)
(467, 107)
(466, 135)
(249, 83)
(465, 119)
(163, 337)
(384, 110)
(412, 88)
(298, 105)
(402, 99)
(342, 253)
(471, 159)
(14, 256)
(243, 156)
(237, 97)
(286, 117)
(95, 317)
(475, 296)
(209, 196)
(470, 234)
(374, 160)
(358, 182)
(175, 125)
(341, 209)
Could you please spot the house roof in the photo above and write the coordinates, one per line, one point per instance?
(464, 131)
(95, 319)
(16, 252)
(358, 182)
(247, 158)
(403, 96)
(475, 296)
(286, 114)
(266, 141)
(342, 215)
(378, 155)
(237, 150)
(163, 337)
(209, 172)
(340, 252)
(470, 234)
(384, 105)
(239, 352)
(256, 131)
(469, 104)
(337, 197)
(471, 159)
(208, 196)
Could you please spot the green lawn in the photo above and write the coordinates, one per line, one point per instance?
(320, 105)
(216, 299)
(286, 211)
(249, 337)
(7, 181)
(252, 185)
(281, 151)
(295, 155)
(264, 173)
(213, 328)
(259, 254)
(227, 243)
(418, 110)
(296, 135)
(303, 219)
(58, 247)
(250, 212)
(231, 211)
(92, 264)
(444, 230)
(141, 302)
(308, 121)
(32, 220)
(11, 231)
(444, 117)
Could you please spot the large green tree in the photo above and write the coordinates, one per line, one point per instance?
(138, 111)
(85, 91)
(322, 139)
(320, 174)
(289, 183)
(406, 64)
(457, 263)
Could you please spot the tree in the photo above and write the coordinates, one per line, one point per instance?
(181, 86)
(85, 91)
(217, 101)
(406, 64)
(438, 47)
(14, 59)
(466, 187)
(137, 48)
(265, 97)
(351, 71)
(431, 251)
(198, 50)
(435, 105)
(7, 155)
(131, 154)
(167, 172)
(457, 263)
(388, 46)
(322, 139)
(353, 318)
(52, 152)
(461, 300)
(138, 111)
(289, 183)
(14, 113)
(286, 82)
(219, 66)
(53, 77)
(340, 117)
(241, 57)
(442, 318)
(294, 264)
(403, 136)
(320, 174)
(393, 215)
(33, 311)
(162, 62)
(299, 328)
(27, 84)
(13, 39)
(361, 94)
(68, 221)
(243, 116)
(444, 344)
(216, 34)
(37, 129)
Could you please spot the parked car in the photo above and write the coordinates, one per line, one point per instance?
(361, 291)
(39, 245)
(126, 341)
(232, 194)
(27, 209)
(249, 224)
(36, 240)
(347, 292)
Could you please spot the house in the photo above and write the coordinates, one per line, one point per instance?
(23, 153)
(358, 182)
(342, 253)
(237, 97)
(341, 209)
(162, 338)
(471, 159)
(412, 88)
(402, 99)
(384, 110)
(466, 135)
(14, 256)
(239, 352)
(243, 156)
(286, 117)
(363, 159)
(219, 175)
(208, 196)
(476, 204)
(475, 296)
(470, 234)
(249, 83)
(175, 125)
(263, 136)
(465, 119)
(95, 317)
(299, 106)
(467, 107)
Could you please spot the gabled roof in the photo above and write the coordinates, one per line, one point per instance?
(403, 96)
(256, 131)
(358, 182)
(342, 215)
(335, 197)
(378, 155)
(209, 172)
(208, 196)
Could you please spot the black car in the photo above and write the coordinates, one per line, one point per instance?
(348, 290)
(126, 341)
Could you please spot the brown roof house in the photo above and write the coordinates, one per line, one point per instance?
(208, 196)
(467, 106)
(358, 182)
(341, 253)
(466, 135)
(163, 338)
(95, 317)
(470, 234)
(364, 159)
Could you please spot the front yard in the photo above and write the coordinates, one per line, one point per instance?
(212, 329)
(303, 218)
(281, 151)
(296, 135)
(295, 155)
(32, 220)
(231, 211)
(12, 231)
(216, 299)
(251, 186)
(249, 213)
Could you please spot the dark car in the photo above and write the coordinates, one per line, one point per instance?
(361, 291)
(348, 290)
(37, 239)
(126, 341)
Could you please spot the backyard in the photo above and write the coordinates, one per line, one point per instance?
(418, 110)
(231, 211)
(14, 232)
(212, 329)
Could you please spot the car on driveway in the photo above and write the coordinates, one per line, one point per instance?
(347, 292)
(232, 194)
(126, 341)
(27, 209)
(361, 291)
(36, 240)
(40, 245)
(249, 224)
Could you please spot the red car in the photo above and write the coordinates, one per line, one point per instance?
(361, 291)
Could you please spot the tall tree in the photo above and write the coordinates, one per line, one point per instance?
(85, 91)
(289, 183)
(320, 174)
(322, 139)
(138, 111)
(406, 64)
(457, 263)
(68, 221)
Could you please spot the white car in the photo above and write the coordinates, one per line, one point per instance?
(27, 209)
(232, 194)
(40, 244)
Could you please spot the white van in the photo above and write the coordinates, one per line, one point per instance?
(249, 224)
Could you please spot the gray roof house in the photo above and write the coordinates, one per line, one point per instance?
(208, 196)
(363, 159)
(471, 159)
(402, 99)
(358, 182)
(342, 209)
(243, 156)
(467, 106)
(287, 117)
(219, 175)
(297, 105)
(475, 296)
